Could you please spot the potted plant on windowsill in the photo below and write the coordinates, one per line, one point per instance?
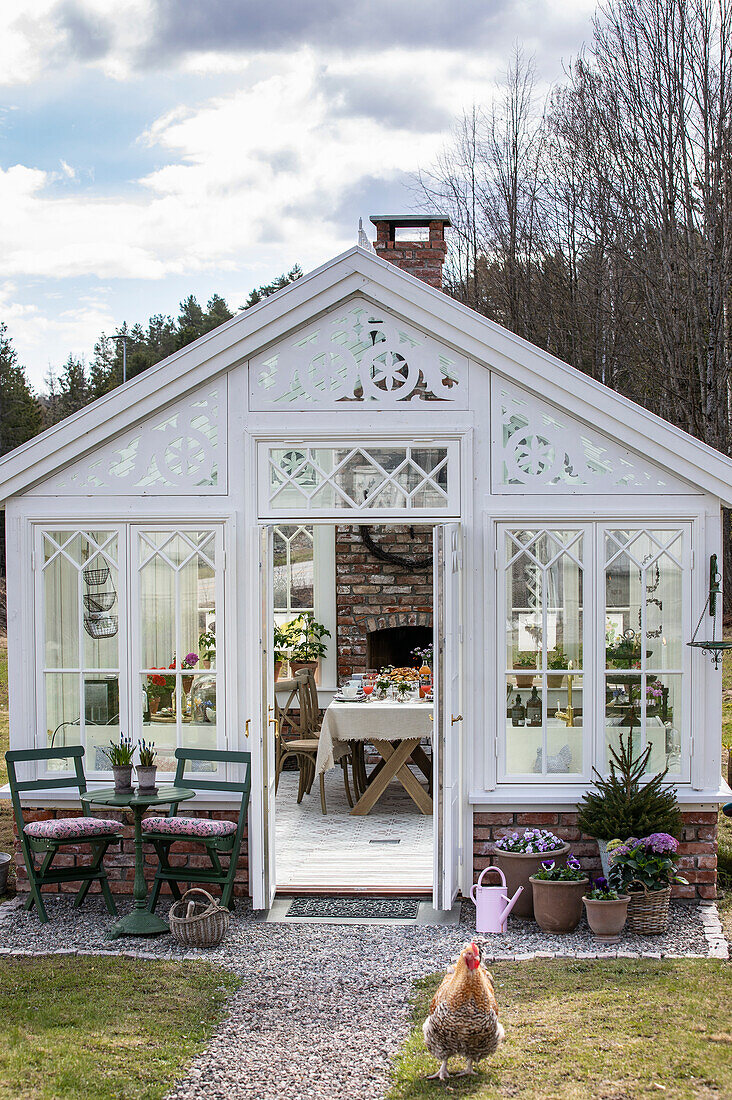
(524, 661)
(280, 645)
(519, 855)
(189, 661)
(207, 648)
(309, 648)
(645, 870)
(625, 804)
(555, 659)
(558, 893)
(120, 756)
(606, 911)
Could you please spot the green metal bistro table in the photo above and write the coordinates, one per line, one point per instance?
(139, 922)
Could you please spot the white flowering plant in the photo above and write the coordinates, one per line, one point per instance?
(532, 841)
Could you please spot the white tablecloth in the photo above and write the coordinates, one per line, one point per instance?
(374, 721)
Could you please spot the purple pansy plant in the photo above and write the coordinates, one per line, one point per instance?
(550, 872)
(190, 660)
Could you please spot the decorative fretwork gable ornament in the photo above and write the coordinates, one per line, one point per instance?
(358, 357)
(539, 448)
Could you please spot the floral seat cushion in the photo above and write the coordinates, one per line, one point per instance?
(189, 826)
(71, 828)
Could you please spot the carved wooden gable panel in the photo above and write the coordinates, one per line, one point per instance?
(358, 356)
(538, 448)
(180, 449)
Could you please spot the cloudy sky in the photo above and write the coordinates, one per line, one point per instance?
(154, 148)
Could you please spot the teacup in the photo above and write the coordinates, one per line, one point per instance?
(350, 690)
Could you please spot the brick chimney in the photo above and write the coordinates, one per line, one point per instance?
(422, 258)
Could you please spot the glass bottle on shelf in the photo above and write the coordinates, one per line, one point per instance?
(533, 709)
(518, 713)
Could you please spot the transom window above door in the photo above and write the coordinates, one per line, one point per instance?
(381, 478)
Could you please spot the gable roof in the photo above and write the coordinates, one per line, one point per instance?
(362, 272)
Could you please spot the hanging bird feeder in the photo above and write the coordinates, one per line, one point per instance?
(715, 648)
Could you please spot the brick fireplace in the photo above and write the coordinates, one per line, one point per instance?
(382, 606)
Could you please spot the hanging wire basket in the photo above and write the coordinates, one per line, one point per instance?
(103, 626)
(714, 646)
(99, 601)
(96, 577)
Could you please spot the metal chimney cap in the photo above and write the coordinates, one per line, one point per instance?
(414, 221)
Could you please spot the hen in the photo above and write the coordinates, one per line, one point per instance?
(463, 1015)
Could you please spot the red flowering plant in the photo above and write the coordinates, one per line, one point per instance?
(159, 683)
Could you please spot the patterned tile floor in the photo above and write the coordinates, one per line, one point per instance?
(339, 850)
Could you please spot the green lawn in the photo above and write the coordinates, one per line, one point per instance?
(103, 1028)
(617, 1030)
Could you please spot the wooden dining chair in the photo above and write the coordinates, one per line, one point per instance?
(305, 746)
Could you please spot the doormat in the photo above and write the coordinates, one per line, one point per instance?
(356, 908)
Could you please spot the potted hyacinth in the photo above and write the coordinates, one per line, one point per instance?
(606, 910)
(519, 855)
(645, 870)
(558, 892)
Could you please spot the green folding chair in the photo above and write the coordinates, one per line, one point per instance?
(217, 837)
(46, 838)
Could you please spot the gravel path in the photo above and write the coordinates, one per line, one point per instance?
(322, 1008)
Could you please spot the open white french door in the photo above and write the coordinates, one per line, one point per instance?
(263, 892)
(446, 749)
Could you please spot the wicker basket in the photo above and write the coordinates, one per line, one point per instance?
(648, 911)
(198, 923)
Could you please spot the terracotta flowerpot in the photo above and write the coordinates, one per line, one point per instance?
(186, 683)
(154, 703)
(146, 777)
(295, 666)
(554, 679)
(518, 868)
(524, 678)
(122, 778)
(557, 904)
(278, 669)
(607, 918)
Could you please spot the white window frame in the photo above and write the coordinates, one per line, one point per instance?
(129, 626)
(594, 743)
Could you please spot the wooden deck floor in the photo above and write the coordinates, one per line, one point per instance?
(344, 851)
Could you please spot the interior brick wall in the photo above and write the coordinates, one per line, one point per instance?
(120, 865)
(697, 849)
(368, 589)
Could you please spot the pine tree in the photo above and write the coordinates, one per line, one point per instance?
(623, 804)
(268, 289)
(20, 415)
(73, 387)
(217, 312)
(190, 321)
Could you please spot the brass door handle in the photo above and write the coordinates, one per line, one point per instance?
(276, 723)
(247, 724)
(454, 720)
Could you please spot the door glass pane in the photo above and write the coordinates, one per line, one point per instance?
(564, 723)
(157, 612)
(101, 719)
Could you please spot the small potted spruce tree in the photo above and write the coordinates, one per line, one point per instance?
(624, 804)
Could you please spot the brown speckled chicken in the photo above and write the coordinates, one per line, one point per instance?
(463, 1015)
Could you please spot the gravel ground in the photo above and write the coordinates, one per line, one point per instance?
(322, 1008)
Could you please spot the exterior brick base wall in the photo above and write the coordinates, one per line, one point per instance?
(120, 865)
(697, 850)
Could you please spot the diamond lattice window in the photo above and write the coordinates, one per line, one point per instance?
(385, 478)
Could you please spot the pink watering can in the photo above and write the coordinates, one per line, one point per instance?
(491, 903)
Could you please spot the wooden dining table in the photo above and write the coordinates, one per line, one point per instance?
(396, 731)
